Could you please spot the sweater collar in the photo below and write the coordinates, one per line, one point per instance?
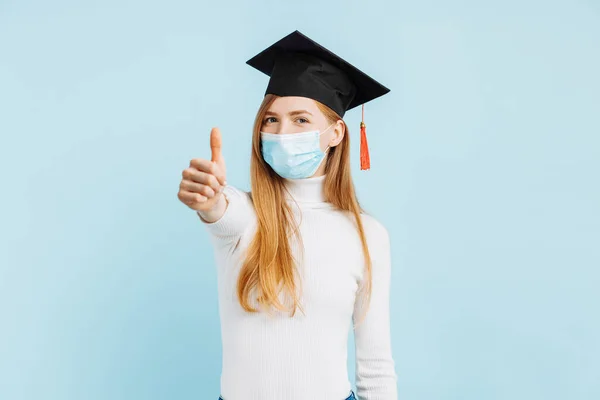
(308, 190)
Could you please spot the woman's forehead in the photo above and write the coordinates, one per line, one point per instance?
(286, 104)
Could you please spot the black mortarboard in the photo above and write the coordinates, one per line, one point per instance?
(299, 66)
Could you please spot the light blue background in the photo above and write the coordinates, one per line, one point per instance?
(485, 164)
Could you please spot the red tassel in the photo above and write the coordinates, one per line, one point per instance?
(365, 160)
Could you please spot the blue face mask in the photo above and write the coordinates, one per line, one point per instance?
(293, 155)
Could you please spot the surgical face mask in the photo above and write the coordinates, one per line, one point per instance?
(293, 155)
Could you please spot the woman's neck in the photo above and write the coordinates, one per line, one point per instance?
(308, 190)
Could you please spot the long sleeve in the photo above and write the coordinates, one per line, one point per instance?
(376, 378)
(238, 215)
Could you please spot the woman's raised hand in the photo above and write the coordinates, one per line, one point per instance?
(203, 181)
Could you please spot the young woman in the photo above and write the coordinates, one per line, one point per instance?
(298, 241)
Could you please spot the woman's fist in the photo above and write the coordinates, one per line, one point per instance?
(203, 181)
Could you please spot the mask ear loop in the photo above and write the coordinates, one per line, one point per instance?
(327, 149)
(326, 129)
(328, 146)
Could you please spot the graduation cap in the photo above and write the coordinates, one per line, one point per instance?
(299, 66)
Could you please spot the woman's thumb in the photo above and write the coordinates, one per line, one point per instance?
(215, 145)
(216, 155)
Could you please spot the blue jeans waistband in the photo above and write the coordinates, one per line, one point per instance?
(351, 397)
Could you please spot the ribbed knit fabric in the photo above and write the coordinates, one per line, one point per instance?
(280, 357)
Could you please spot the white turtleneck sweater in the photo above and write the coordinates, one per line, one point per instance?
(280, 357)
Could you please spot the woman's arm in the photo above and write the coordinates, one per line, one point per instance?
(230, 217)
(214, 214)
(225, 210)
(376, 377)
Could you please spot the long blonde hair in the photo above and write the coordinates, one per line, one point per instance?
(269, 262)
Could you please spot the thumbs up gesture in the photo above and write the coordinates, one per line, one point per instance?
(203, 181)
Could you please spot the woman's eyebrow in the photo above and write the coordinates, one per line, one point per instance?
(291, 113)
(299, 112)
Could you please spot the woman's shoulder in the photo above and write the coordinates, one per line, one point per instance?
(373, 226)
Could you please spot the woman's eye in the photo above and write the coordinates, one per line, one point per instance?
(268, 119)
(302, 119)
